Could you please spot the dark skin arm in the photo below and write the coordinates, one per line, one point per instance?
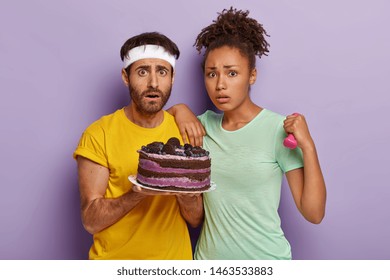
(191, 129)
(307, 184)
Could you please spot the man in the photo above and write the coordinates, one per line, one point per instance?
(129, 224)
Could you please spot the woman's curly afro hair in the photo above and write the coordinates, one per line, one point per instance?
(235, 29)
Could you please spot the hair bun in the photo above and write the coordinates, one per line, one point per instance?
(234, 25)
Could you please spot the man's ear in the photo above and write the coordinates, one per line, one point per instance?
(125, 77)
(253, 76)
(173, 77)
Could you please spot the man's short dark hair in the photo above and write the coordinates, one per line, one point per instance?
(150, 38)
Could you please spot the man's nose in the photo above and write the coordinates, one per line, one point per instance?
(153, 80)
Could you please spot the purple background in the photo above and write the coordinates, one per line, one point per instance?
(60, 70)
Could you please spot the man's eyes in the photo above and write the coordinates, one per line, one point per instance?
(163, 72)
(142, 72)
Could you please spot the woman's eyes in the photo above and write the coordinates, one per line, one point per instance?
(230, 74)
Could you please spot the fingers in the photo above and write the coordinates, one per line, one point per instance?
(183, 195)
(294, 116)
(183, 133)
(292, 122)
(148, 192)
(188, 198)
(193, 134)
(297, 125)
(198, 136)
(137, 188)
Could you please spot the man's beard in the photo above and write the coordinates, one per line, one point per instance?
(150, 107)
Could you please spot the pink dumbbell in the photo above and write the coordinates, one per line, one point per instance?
(290, 141)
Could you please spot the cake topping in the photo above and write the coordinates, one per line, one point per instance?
(168, 149)
(174, 142)
(173, 147)
(154, 148)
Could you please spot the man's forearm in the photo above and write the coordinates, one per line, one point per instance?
(104, 212)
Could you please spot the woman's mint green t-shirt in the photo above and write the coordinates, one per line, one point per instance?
(247, 165)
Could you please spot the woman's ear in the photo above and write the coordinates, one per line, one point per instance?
(125, 77)
(253, 76)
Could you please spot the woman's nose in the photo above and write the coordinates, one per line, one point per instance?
(221, 83)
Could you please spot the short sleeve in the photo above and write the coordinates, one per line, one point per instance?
(288, 159)
(202, 118)
(92, 148)
(210, 120)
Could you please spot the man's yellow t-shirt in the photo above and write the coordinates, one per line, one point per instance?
(154, 229)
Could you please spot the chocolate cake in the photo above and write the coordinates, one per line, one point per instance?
(171, 166)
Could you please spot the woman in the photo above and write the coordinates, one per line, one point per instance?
(248, 157)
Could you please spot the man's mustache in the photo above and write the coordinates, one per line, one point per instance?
(152, 91)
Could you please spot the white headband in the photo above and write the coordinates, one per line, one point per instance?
(148, 51)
